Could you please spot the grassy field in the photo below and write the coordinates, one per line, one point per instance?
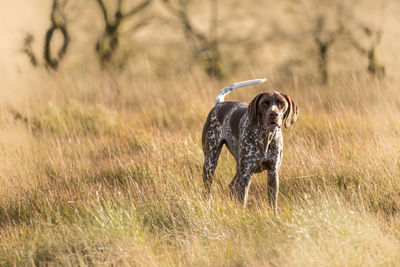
(104, 167)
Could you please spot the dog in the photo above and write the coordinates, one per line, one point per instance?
(253, 135)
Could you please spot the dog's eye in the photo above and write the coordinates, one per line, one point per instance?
(280, 104)
(266, 103)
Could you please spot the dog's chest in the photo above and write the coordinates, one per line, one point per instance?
(271, 158)
(266, 161)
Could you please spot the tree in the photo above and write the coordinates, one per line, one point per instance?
(374, 37)
(58, 23)
(108, 42)
(27, 49)
(324, 40)
(205, 47)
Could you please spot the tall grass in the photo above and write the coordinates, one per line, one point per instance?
(88, 181)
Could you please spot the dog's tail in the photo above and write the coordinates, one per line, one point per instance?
(226, 90)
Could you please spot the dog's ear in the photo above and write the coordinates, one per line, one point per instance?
(253, 111)
(291, 113)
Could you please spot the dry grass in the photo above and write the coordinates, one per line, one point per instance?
(104, 168)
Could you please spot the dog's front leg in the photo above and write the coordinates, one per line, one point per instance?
(242, 189)
(241, 183)
(273, 190)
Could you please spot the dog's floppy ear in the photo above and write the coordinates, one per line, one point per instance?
(291, 113)
(253, 109)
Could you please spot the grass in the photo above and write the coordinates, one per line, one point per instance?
(120, 184)
(104, 167)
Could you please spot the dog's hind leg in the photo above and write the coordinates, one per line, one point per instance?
(210, 164)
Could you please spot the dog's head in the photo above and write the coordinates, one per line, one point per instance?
(272, 109)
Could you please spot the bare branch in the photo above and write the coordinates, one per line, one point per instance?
(357, 46)
(108, 42)
(138, 8)
(53, 11)
(27, 49)
(181, 13)
(142, 23)
(119, 5)
(53, 63)
(318, 29)
(375, 37)
(205, 47)
(171, 8)
(103, 10)
(58, 23)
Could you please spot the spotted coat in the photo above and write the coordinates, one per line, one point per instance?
(254, 147)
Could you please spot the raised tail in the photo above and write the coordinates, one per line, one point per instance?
(226, 90)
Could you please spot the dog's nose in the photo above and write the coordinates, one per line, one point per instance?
(274, 114)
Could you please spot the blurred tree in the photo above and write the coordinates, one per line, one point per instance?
(315, 29)
(374, 37)
(108, 42)
(332, 19)
(205, 47)
(27, 49)
(58, 23)
(324, 40)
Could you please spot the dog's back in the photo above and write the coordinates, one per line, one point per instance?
(226, 115)
(223, 126)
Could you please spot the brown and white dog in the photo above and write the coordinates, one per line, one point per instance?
(253, 135)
